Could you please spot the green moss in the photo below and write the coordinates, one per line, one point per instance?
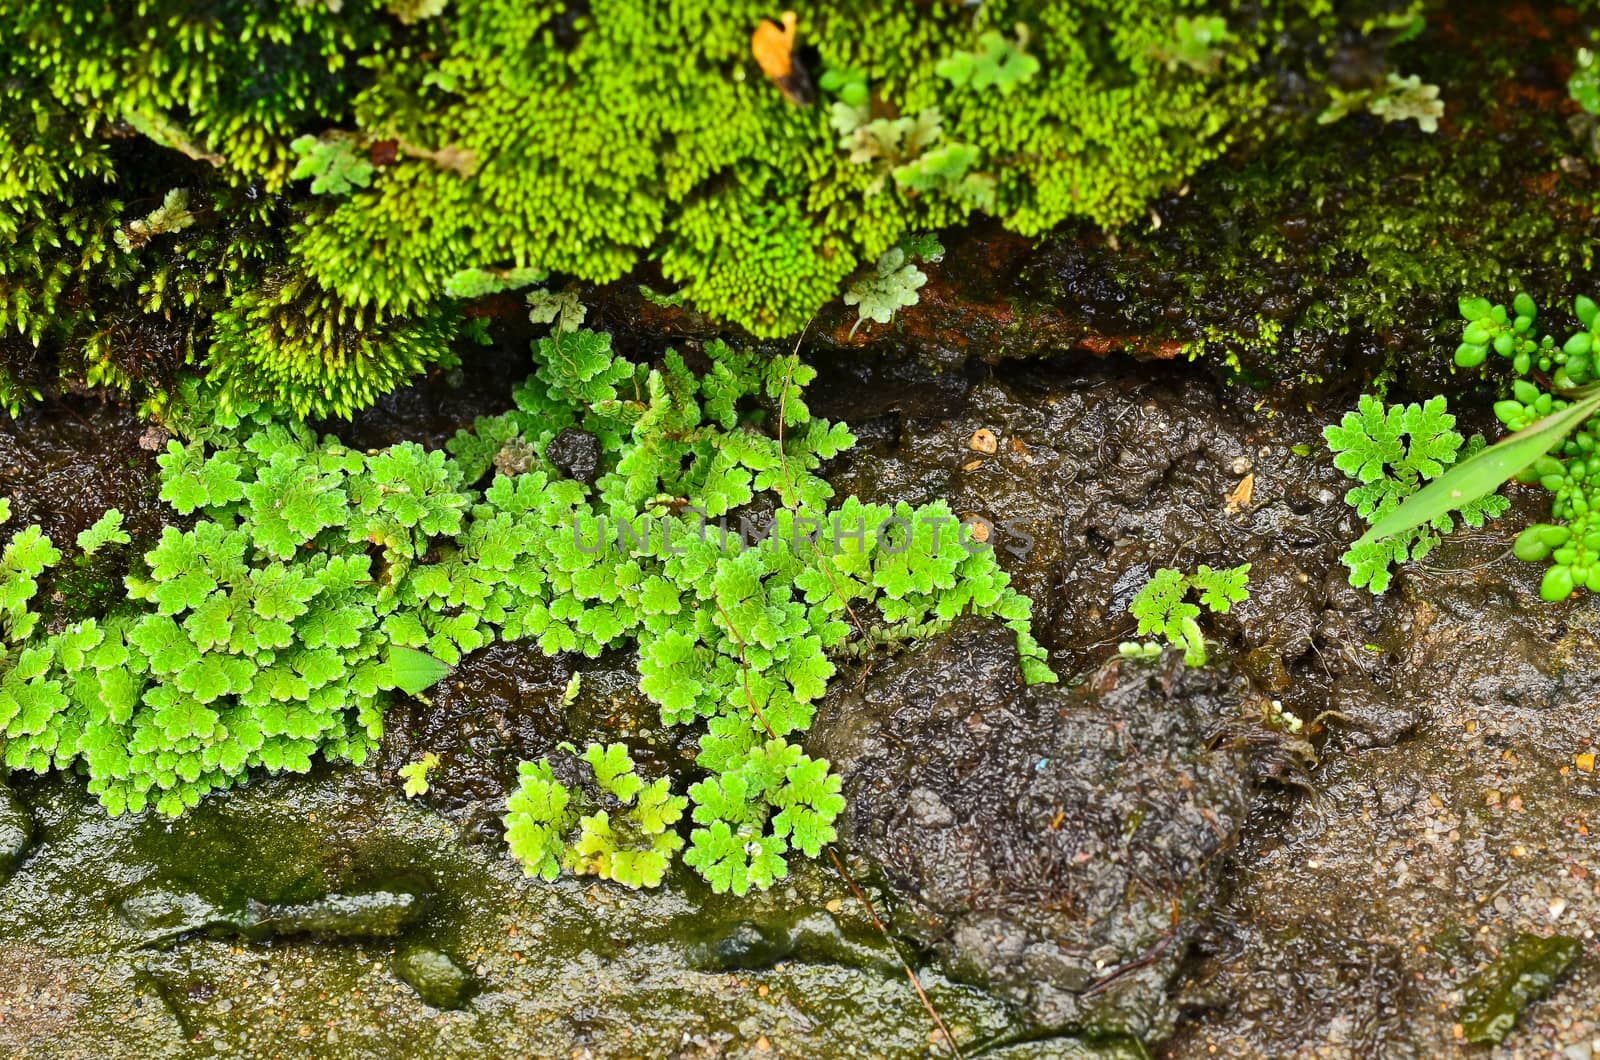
(288, 342)
(55, 209)
(1523, 973)
(226, 84)
(594, 138)
(1301, 254)
(751, 249)
(575, 141)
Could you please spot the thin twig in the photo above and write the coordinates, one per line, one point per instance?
(69, 410)
(855, 889)
(1148, 957)
(744, 667)
(916, 984)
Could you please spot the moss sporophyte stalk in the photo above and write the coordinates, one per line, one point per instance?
(302, 584)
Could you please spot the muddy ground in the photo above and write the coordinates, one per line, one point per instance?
(1133, 861)
(1447, 812)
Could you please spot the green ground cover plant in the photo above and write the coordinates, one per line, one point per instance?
(1390, 452)
(1164, 608)
(627, 836)
(301, 584)
(894, 281)
(1553, 414)
(415, 774)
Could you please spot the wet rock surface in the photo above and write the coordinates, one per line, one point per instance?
(1453, 801)
(16, 832)
(1100, 477)
(437, 979)
(544, 969)
(1451, 812)
(576, 453)
(1418, 864)
(166, 916)
(1056, 846)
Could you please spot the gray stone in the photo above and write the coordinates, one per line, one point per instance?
(437, 979)
(16, 832)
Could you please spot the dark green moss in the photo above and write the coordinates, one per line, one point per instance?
(1523, 973)
(1347, 245)
(438, 980)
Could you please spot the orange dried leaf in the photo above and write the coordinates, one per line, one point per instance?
(772, 44)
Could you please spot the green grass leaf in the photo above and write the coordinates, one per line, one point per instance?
(1481, 474)
(413, 671)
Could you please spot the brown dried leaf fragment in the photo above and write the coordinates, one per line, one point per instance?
(1239, 499)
